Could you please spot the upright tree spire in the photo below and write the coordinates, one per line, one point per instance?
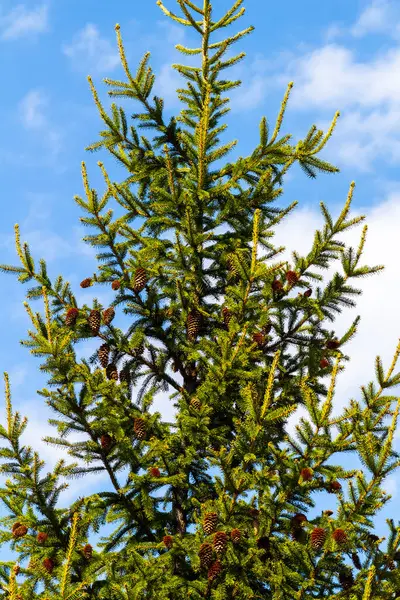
(238, 338)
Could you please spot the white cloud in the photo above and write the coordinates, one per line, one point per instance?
(331, 78)
(89, 51)
(378, 17)
(21, 21)
(31, 109)
(32, 112)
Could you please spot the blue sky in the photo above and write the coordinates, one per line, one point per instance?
(349, 63)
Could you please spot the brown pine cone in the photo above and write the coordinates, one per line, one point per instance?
(20, 531)
(106, 441)
(210, 522)
(318, 537)
(259, 338)
(298, 519)
(48, 564)
(87, 551)
(206, 555)
(155, 471)
(193, 323)
(323, 363)
(103, 354)
(139, 280)
(125, 375)
(236, 535)
(291, 277)
(71, 316)
(307, 293)
(220, 542)
(214, 570)
(42, 537)
(86, 282)
(227, 316)
(94, 321)
(339, 536)
(334, 486)
(116, 284)
(111, 372)
(333, 344)
(168, 541)
(139, 428)
(108, 315)
(306, 474)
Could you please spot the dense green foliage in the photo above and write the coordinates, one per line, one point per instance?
(237, 337)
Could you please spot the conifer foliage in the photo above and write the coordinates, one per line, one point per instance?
(239, 339)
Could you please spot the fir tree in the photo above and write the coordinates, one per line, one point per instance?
(238, 338)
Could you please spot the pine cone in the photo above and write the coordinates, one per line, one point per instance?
(306, 474)
(210, 522)
(15, 526)
(333, 344)
(277, 285)
(86, 282)
(339, 536)
(193, 324)
(195, 403)
(139, 280)
(71, 316)
(125, 375)
(235, 535)
(111, 372)
(116, 284)
(206, 555)
(307, 293)
(139, 428)
(87, 551)
(16, 569)
(108, 315)
(328, 513)
(105, 441)
(48, 564)
(168, 541)
(318, 537)
(103, 353)
(214, 570)
(298, 520)
(259, 338)
(334, 486)
(220, 542)
(138, 351)
(42, 537)
(356, 561)
(20, 531)
(155, 471)
(323, 363)
(94, 321)
(227, 316)
(291, 277)
(346, 579)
